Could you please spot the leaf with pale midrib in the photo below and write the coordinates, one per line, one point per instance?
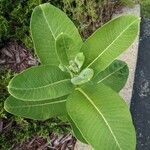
(114, 76)
(40, 83)
(102, 117)
(64, 49)
(39, 110)
(47, 22)
(109, 41)
(76, 131)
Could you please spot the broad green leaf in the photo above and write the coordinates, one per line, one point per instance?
(39, 110)
(109, 41)
(40, 83)
(64, 48)
(77, 132)
(47, 22)
(102, 117)
(83, 77)
(114, 76)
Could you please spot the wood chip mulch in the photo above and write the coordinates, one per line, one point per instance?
(64, 142)
(16, 57)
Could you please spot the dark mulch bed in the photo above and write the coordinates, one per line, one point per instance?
(51, 142)
(64, 142)
(16, 57)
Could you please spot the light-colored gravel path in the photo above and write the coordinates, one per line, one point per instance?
(130, 56)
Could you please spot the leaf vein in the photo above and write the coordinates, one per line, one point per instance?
(39, 104)
(26, 89)
(111, 43)
(103, 117)
(110, 74)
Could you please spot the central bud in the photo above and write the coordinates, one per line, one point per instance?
(78, 76)
(84, 76)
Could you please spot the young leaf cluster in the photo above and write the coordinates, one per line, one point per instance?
(78, 80)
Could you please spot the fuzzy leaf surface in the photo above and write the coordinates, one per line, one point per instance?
(47, 22)
(39, 110)
(64, 48)
(79, 60)
(114, 76)
(84, 76)
(109, 41)
(102, 117)
(40, 83)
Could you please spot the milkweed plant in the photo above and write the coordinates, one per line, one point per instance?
(77, 79)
